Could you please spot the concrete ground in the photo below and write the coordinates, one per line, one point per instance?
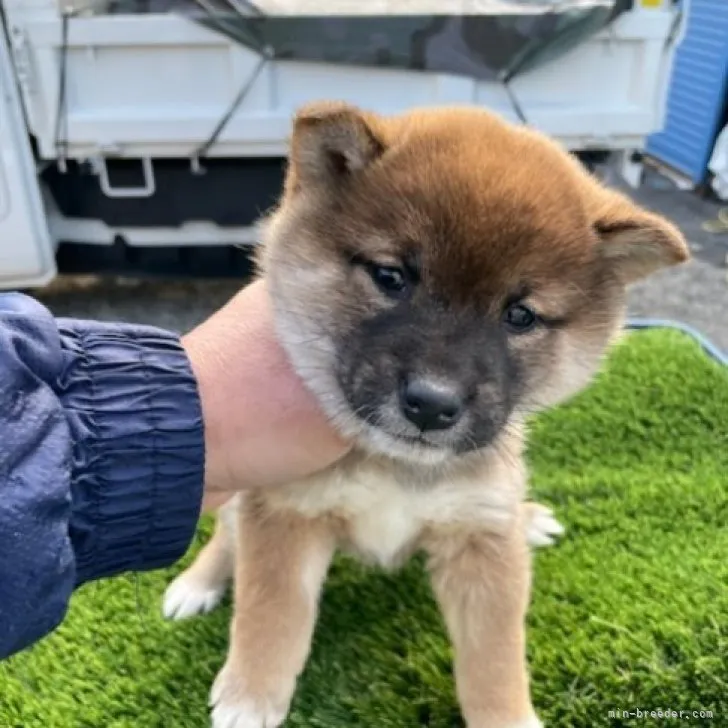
(696, 293)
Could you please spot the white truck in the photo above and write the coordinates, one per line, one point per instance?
(140, 133)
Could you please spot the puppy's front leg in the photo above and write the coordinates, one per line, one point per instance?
(281, 563)
(482, 582)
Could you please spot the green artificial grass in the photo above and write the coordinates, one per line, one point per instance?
(630, 610)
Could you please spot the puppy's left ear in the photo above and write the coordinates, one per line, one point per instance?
(634, 241)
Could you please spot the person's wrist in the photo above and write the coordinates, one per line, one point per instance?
(202, 361)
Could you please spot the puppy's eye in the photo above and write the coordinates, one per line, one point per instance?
(390, 279)
(519, 318)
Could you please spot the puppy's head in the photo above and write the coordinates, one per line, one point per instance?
(438, 275)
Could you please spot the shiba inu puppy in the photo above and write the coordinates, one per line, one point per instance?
(437, 277)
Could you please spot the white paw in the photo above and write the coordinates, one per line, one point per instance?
(245, 715)
(232, 708)
(542, 528)
(185, 598)
(532, 722)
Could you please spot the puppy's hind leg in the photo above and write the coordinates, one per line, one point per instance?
(201, 587)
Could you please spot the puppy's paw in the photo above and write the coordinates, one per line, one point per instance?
(489, 721)
(542, 528)
(245, 715)
(232, 707)
(531, 722)
(186, 597)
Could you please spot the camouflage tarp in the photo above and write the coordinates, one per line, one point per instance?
(487, 39)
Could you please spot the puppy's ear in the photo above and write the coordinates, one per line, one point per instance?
(330, 143)
(632, 240)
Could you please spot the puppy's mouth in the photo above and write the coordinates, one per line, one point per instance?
(375, 423)
(414, 448)
(416, 440)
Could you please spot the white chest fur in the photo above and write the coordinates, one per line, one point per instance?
(385, 511)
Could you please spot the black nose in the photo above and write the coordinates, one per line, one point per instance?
(431, 405)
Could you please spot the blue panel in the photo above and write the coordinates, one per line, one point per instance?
(697, 94)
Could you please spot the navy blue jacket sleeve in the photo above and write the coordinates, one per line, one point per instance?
(101, 459)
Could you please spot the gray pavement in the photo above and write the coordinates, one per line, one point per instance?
(696, 293)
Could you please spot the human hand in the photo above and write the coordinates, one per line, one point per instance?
(262, 426)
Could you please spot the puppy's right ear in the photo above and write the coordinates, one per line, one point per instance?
(331, 142)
